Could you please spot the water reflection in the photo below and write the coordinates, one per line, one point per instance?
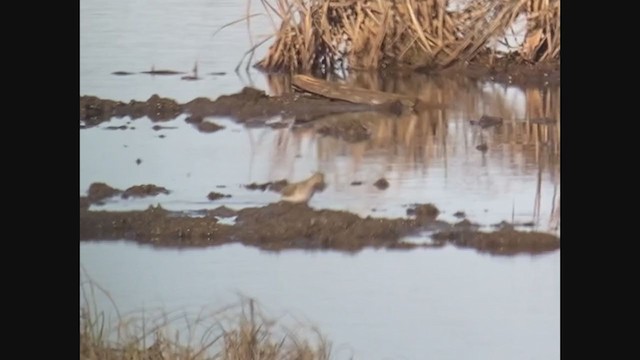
(445, 304)
(443, 140)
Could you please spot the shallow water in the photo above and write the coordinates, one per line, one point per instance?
(443, 303)
(429, 159)
(502, 184)
(423, 304)
(136, 35)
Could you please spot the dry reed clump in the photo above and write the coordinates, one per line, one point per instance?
(328, 35)
(238, 332)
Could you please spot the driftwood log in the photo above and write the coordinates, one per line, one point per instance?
(351, 94)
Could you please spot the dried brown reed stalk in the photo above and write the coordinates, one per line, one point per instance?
(236, 332)
(327, 35)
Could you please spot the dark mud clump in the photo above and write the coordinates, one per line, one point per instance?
(208, 127)
(155, 108)
(275, 186)
(194, 119)
(100, 191)
(284, 225)
(502, 242)
(93, 110)
(466, 225)
(256, 186)
(160, 127)
(381, 184)
(482, 148)
(154, 225)
(122, 73)
(216, 195)
(424, 212)
(122, 127)
(459, 214)
(243, 104)
(144, 191)
(162, 72)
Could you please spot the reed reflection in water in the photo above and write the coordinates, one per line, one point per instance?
(441, 143)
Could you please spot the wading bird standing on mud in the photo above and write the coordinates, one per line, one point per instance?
(301, 192)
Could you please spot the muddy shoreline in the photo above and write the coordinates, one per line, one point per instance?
(282, 225)
(279, 226)
(253, 107)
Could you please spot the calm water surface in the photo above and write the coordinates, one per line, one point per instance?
(441, 303)
(424, 304)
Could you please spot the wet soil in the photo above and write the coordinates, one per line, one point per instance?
(284, 225)
(275, 186)
(427, 211)
(381, 183)
(100, 191)
(94, 111)
(216, 195)
(252, 107)
(144, 191)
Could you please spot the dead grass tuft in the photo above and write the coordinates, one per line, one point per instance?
(328, 35)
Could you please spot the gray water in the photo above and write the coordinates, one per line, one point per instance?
(424, 304)
(436, 303)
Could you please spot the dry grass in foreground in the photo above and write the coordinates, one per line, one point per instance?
(238, 332)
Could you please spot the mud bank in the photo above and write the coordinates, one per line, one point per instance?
(100, 191)
(251, 107)
(249, 104)
(282, 225)
(342, 119)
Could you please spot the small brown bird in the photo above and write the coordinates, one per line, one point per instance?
(301, 192)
